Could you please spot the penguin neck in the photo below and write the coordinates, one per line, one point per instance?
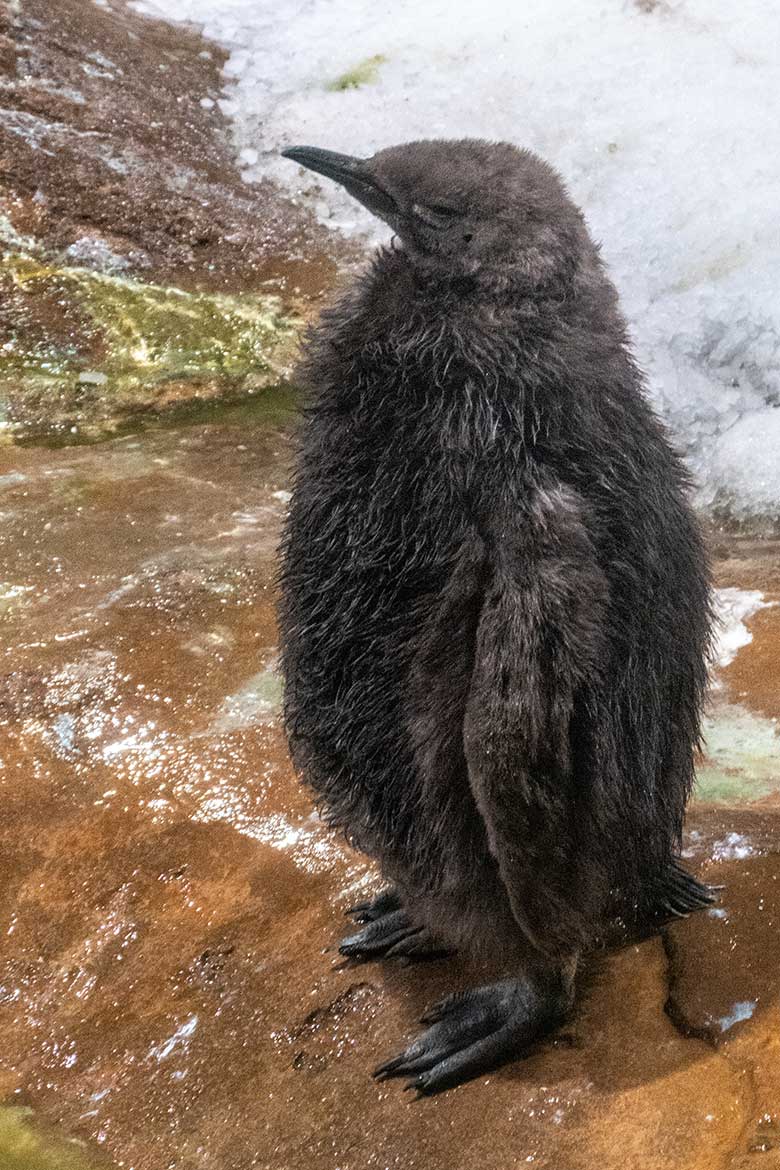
(435, 321)
(427, 285)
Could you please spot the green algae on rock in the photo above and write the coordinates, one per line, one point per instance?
(364, 73)
(23, 1148)
(257, 701)
(90, 348)
(742, 757)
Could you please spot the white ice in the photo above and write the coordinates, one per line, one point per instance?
(743, 1010)
(733, 608)
(662, 116)
(734, 846)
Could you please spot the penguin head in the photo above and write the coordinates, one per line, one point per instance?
(466, 209)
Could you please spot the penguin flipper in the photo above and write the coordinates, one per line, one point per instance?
(538, 647)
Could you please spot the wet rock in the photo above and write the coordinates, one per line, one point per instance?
(103, 136)
(721, 960)
(152, 348)
(132, 248)
(169, 902)
(320, 1040)
(257, 701)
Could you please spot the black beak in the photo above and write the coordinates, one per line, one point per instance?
(340, 167)
(353, 174)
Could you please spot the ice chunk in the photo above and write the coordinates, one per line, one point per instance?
(733, 847)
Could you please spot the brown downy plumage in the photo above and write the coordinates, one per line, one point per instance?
(495, 600)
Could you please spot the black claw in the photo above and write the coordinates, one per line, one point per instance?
(379, 936)
(691, 890)
(357, 946)
(392, 935)
(385, 902)
(420, 1085)
(383, 1072)
(358, 911)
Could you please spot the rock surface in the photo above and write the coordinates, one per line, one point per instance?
(138, 269)
(169, 902)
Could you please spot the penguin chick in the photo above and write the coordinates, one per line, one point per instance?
(495, 604)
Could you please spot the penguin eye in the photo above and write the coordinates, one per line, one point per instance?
(437, 215)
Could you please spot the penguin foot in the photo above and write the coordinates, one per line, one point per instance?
(393, 936)
(384, 902)
(473, 1032)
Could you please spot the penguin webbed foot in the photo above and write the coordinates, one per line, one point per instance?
(383, 903)
(473, 1032)
(389, 932)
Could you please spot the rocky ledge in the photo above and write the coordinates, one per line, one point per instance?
(138, 269)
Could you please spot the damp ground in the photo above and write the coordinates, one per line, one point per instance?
(169, 902)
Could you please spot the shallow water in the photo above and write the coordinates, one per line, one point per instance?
(168, 898)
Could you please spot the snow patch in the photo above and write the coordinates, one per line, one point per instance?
(659, 118)
(732, 847)
(733, 607)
